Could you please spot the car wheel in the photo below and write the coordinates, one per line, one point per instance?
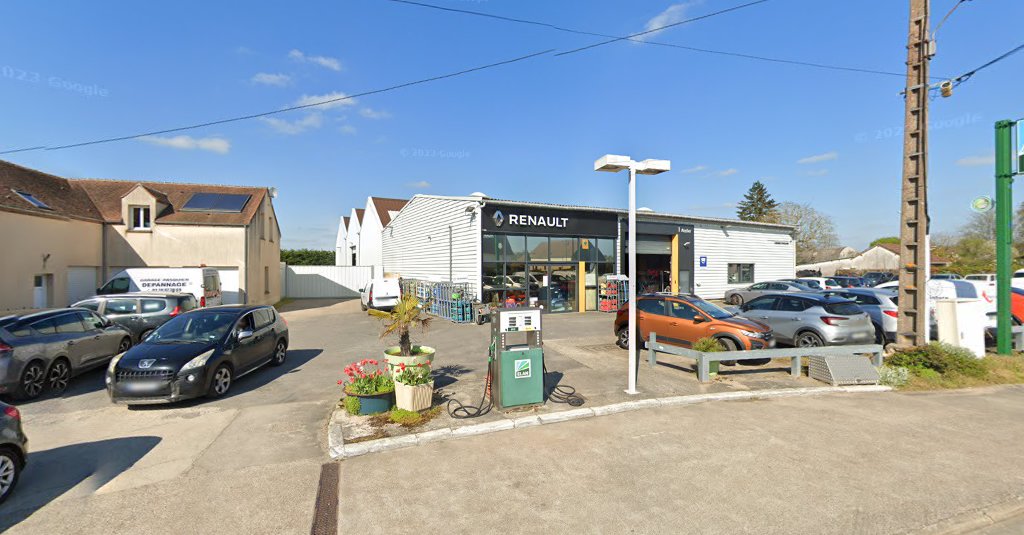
(622, 338)
(809, 339)
(736, 299)
(125, 345)
(280, 353)
(728, 345)
(362, 305)
(221, 381)
(58, 376)
(10, 471)
(33, 379)
(879, 336)
(145, 334)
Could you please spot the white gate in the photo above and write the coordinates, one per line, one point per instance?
(336, 282)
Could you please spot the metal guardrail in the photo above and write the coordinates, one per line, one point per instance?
(795, 354)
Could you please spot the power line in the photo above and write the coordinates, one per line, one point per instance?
(283, 110)
(967, 75)
(632, 36)
(655, 43)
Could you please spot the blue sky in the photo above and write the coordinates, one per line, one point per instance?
(527, 131)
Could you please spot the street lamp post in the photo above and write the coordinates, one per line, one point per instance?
(613, 164)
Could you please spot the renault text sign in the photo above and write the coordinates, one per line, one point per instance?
(548, 221)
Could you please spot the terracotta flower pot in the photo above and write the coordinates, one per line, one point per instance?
(414, 398)
(420, 355)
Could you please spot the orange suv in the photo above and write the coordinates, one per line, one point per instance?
(681, 320)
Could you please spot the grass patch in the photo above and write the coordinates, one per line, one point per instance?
(941, 366)
(404, 418)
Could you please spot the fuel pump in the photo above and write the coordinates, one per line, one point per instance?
(516, 358)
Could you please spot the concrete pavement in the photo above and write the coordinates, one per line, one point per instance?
(887, 463)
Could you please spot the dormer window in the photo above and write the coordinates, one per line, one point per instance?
(140, 218)
(32, 200)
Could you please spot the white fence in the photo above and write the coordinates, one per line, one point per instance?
(305, 282)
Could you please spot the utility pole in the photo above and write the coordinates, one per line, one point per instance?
(912, 324)
(1005, 154)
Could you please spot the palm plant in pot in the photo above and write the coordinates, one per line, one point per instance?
(399, 321)
(414, 387)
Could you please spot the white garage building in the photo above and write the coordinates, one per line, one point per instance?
(561, 256)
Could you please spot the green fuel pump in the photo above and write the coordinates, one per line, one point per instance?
(516, 358)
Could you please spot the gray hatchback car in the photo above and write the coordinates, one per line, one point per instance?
(738, 296)
(880, 304)
(140, 313)
(43, 351)
(812, 319)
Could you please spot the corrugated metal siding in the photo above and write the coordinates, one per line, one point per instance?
(416, 242)
(773, 254)
(325, 281)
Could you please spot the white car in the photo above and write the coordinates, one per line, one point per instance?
(380, 294)
(824, 282)
(982, 277)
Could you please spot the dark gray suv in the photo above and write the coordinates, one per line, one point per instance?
(45, 350)
(13, 449)
(140, 313)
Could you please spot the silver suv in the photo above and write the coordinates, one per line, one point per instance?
(140, 313)
(812, 319)
(43, 351)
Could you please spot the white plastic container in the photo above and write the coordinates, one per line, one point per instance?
(962, 323)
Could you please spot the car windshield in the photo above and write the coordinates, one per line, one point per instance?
(194, 327)
(712, 310)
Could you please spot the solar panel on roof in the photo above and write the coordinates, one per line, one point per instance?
(216, 202)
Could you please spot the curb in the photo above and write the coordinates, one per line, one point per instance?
(339, 450)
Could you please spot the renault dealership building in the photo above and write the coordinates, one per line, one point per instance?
(561, 257)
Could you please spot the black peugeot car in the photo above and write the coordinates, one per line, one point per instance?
(199, 353)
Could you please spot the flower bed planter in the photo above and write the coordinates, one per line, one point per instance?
(420, 355)
(414, 398)
(374, 403)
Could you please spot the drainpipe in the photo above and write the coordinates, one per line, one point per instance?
(450, 255)
(245, 269)
(103, 253)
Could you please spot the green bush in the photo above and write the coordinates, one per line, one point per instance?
(307, 257)
(939, 358)
(352, 405)
(707, 345)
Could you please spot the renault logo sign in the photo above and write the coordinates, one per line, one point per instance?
(499, 218)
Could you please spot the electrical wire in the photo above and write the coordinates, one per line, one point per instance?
(562, 393)
(943, 21)
(967, 75)
(654, 43)
(658, 29)
(461, 412)
(283, 110)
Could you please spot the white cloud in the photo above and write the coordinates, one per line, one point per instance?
(348, 129)
(313, 120)
(371, 113)
(266, 78)
(326, 62)
(694, 169)
(977, 161)
(306, 100)
(422, 184)
(242, 50)
(817, 172)
(673, 14)
(817, 158)
(728, 172)
(212, 144)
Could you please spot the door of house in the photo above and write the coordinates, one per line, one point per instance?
(41, 286)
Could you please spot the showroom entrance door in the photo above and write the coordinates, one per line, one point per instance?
(561, 287)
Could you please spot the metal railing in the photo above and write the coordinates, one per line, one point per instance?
(795, 354)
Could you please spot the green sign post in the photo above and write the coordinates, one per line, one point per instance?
(1006, 153)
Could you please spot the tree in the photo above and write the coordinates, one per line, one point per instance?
(981, 225)
(757, 204)
(814, 230)
(886, 239)
(974, 255)
(307, 257)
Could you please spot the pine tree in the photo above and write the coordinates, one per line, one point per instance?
(757, 204)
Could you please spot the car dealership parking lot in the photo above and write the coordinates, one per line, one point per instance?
(252, 458)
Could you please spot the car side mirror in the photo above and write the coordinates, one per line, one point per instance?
(699, 319)
(242, 335)
(744, 308)
(107, 322)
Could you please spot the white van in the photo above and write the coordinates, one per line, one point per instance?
(380, 293)
(204, 283)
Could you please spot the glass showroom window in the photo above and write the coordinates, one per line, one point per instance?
(741, 273)
(140, 218)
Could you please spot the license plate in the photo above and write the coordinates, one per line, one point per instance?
(142, 387)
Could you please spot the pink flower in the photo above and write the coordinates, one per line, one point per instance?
(341, 382)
